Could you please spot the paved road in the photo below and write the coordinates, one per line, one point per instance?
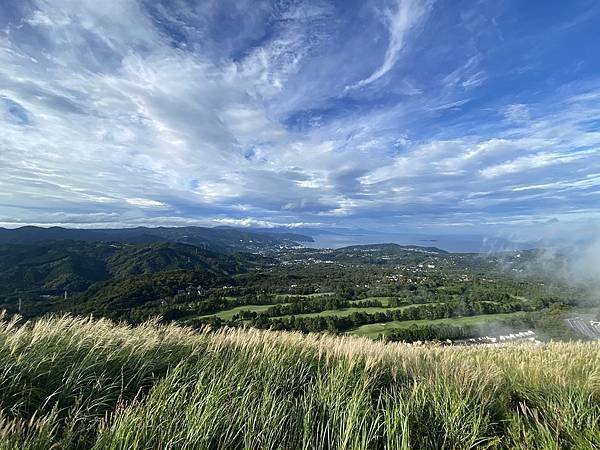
(584, 327)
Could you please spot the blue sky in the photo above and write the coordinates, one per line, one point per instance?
(394, 115)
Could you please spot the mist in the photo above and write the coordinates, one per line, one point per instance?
(577, 264)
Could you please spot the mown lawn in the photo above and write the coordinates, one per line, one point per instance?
(227, 314)
(375, 329)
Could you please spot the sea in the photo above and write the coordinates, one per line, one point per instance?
(450, 243)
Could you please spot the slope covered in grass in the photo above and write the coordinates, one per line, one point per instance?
(77, 383)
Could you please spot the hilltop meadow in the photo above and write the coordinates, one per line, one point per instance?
(299, 225)
(77, 383)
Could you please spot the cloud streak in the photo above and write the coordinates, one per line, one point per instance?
(399, 20)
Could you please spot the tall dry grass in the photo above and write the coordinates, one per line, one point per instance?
(78, 383)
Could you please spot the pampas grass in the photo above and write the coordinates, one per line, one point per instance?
(80, 383)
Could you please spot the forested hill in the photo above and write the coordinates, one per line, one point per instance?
(373, 254)
(390, 249)
(55, 266)
(221, 239)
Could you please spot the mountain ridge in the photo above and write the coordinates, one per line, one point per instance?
(216, 239)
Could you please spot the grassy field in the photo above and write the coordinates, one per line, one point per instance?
(70, 383)
(375, 329)
(228, 314)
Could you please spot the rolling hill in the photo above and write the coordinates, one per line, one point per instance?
(54, 266)
(221, 239)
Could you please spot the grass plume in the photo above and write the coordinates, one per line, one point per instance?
(69, 382)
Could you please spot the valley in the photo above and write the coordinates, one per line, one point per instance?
(383, 291)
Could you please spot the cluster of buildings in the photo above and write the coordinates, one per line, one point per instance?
(523, 336)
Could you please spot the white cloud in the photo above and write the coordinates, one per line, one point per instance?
(104, 111)
(530, 162)
(250, 125)
(477, 79)
(145, 203)
(450, 105)
(256, 223)
(517, 113)
(401, 20)
(270, 65)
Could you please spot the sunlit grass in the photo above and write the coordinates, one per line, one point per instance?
(374, 330)
(80, 383)
(227, 314)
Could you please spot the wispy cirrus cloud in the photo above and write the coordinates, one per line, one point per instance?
(400, 19)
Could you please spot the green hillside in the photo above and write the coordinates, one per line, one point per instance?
(222, 239)
(357, 289)
(50, 268)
